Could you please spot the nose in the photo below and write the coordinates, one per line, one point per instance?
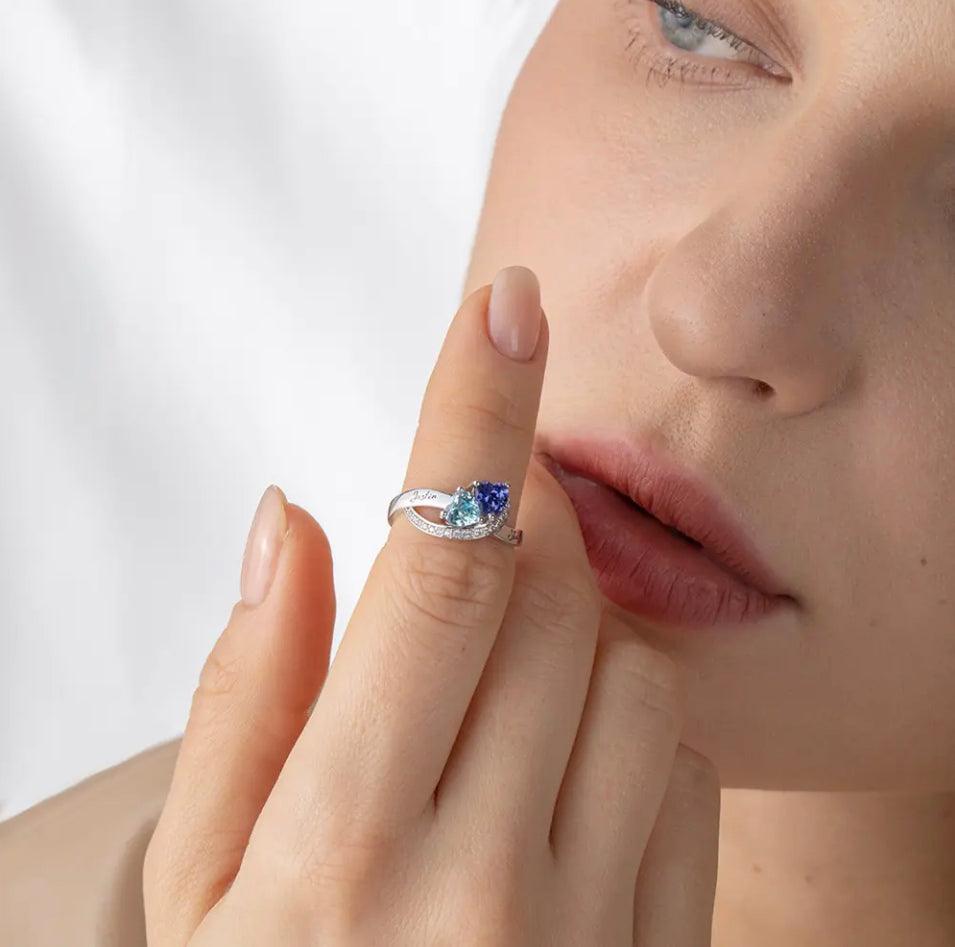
(772, 295)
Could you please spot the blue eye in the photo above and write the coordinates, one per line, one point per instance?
(681, 29)
(719, 57)
(687, 30)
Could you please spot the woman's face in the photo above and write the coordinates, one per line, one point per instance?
(747, 253)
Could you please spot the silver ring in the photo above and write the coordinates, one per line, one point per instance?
(471, 512)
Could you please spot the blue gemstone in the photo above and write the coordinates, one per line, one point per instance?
(463, 510)
(491, 496)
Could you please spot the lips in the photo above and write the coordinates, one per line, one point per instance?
(660, 543)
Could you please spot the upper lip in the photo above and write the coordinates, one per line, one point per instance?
(651, 478)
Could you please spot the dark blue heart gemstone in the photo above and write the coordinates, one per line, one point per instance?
(492, 496)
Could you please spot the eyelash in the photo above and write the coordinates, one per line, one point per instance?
(641, 48)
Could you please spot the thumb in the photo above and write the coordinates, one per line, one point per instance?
(253, 698)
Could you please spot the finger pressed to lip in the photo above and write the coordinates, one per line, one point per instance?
(480, 406)
(419, 636)
(507, 765)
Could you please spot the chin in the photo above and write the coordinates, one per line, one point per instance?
(751, 710)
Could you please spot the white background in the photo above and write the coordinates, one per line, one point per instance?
(231, 239)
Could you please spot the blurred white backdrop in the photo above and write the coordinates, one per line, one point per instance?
(231, 238)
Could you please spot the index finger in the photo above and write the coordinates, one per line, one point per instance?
(480, 406)
(418, 639)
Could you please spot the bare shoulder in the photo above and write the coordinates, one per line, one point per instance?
(71, 866)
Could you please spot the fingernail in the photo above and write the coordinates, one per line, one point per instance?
(263, 546)
(514, 312)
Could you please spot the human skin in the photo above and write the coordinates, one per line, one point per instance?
(492, 758)
(759, 271)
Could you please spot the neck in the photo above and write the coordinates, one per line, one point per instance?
(830, 869)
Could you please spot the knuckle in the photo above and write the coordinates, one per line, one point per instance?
(339, 872)
(564, 607)
(299, 852)
(220, 680)
(495, 919)
(492, 891)
(498, 412)
(166, 875)
(652, 679)
(447, 583)
(331, 892)
(174, 866)
(220, 675)
(343, 859)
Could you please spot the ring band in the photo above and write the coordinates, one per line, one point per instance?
(469, 513)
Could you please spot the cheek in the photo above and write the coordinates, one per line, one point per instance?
(593, 179)
(863, 696)
(579, 187)
(900, 460)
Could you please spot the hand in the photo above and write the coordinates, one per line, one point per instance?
(492, 758)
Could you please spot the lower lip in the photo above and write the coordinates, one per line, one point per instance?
(647, 569)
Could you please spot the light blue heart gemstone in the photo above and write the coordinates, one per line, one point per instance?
(463, 510)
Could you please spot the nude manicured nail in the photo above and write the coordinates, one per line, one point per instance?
(263, 546)
(514, 312)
